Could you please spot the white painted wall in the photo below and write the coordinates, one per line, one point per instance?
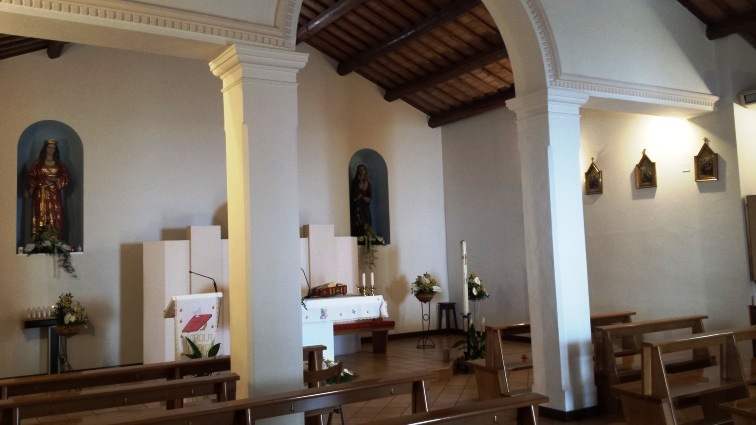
(338, 117)
(154, 153)
(633, 42)
(676, 249)
(483, 196)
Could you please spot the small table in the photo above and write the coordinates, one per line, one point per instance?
(53, 339)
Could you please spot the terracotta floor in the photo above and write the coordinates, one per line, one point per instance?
(458, 389)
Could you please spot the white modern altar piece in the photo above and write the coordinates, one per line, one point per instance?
(166, 266)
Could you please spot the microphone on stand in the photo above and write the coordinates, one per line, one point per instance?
(215, 286)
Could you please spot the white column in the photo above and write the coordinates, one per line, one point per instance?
(548, 130)
(260, 112)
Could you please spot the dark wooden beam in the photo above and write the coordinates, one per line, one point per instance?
(55, 49)
(326, 18)
(455, 70)
(731, 26)
(479, 106)
(447, 14)
(22, 48)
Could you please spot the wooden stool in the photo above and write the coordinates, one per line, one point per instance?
(451, 311)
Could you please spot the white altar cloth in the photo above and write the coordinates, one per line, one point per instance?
(321, 313)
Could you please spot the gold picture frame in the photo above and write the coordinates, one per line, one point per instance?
(706, 163)
(594, 181)
(645, 172)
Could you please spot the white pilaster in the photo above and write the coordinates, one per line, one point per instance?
(260, 112)
(548, 129)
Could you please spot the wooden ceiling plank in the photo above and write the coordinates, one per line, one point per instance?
(326, 18)
(479, 106)
(55, 49)
(413, 33)
(448, 73)
(731, 26)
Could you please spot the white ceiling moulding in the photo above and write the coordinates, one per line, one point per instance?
(132, 18)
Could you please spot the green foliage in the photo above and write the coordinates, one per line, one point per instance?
(474, 344)
(197, 354)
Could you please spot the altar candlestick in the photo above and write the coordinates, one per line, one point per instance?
(465, 303)
(372, 280)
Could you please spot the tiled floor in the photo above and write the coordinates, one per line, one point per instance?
(458, 389)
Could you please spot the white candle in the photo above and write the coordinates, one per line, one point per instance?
(363, 280)
(465, 303)
(372, 280)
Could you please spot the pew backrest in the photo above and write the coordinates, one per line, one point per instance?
(13, 410)
(13, 387)
(522, 409)
(248, 410)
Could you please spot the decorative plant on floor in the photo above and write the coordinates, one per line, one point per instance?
(474, 343)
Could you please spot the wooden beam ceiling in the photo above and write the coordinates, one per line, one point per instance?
(447, 14)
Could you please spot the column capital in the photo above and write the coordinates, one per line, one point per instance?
(260, 63)
(551, 100)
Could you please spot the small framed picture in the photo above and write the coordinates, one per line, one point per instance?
(645, 173)
(707, 163)
(594, 182)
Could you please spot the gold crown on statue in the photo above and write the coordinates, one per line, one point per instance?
(51, 142)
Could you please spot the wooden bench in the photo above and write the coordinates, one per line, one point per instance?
(493, 373)
(522, 410)
(378, 327)
(619, 362)
(743, 411)
(13, 410)
(655, 399)
(13, 387)
(247, 410)
(746, 357)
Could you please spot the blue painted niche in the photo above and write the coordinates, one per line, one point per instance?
(378, 207)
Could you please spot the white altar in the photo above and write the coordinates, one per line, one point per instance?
(321, 313)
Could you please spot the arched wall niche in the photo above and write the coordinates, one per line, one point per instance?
(30, 144)
(378, 207)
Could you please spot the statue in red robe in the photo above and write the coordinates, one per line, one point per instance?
(47, 178)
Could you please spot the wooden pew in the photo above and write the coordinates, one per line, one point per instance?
(492, 374)
(743, 411)
(521, 410)
(13, 410)
(620, 363)
(248, 410)
(654, 399)
(12, 387)
(747, 334)
(378, 327)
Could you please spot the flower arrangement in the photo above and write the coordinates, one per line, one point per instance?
(474, 343)
(68, 312)
(47, 241)
(475, 289)
(346, 374)
(425, 284)
(371, 240)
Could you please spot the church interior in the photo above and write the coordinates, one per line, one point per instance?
(589, 161)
